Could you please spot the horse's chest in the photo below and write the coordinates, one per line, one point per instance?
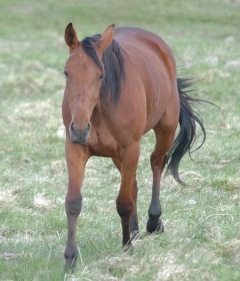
(102, 143)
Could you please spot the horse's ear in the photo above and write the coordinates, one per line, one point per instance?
(106, 38)
(70, 36)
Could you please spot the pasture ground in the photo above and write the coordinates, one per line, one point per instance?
(202, 221)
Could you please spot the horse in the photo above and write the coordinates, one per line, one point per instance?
(119, 85)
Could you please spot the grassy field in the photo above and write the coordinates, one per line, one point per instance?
(202, 221)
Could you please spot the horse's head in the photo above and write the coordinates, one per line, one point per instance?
(83, 81)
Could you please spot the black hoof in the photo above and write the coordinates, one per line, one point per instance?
(155, 227)
(70, 263)
(128, 249)
(69, 269)
(134, 234)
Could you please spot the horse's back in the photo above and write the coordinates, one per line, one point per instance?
(136, 35)
(147, 44)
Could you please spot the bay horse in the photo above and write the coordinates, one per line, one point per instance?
(120, 85)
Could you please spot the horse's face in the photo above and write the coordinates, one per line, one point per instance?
(83, 82)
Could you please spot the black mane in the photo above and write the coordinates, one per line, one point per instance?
(114, 73)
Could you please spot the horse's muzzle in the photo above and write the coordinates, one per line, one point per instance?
(79, 136)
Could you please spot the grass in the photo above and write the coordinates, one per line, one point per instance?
(202, 238)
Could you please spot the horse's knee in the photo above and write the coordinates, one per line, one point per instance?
(73, 205)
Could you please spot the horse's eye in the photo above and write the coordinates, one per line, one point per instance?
(101, 78)
(65, 73)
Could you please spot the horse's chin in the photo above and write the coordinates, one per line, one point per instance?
(78, 140)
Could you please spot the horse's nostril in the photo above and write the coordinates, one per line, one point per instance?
(72, 127)
(88, 126)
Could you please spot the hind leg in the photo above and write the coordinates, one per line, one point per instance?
(134, 229)
(164, 141)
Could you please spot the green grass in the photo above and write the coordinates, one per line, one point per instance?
(202, 221)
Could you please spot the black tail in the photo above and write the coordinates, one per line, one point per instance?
(188, 119)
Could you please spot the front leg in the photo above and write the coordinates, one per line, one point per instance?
(134, 229)
(125, 202)
(76, 156)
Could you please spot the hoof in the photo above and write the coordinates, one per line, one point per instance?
(134, 234)
(69, 268)
(70, 262)
(128, 249)
(151, 227)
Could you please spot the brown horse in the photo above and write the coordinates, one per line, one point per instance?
(120, 85)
